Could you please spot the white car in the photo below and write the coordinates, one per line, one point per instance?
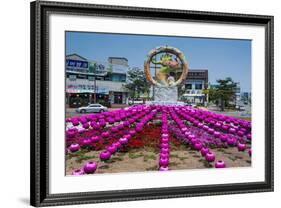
(92, 108)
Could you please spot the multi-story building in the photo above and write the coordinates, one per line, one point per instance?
(94, 81)
(118, 61)
(194, 85)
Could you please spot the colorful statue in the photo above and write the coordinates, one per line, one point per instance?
(165, 77)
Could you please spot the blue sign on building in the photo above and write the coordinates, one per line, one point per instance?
(76, 63)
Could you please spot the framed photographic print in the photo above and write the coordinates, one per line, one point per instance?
(131, 103)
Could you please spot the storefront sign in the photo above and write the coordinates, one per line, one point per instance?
(76, 63)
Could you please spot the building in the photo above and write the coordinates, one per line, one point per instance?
(246, 97)
(118, 61)
(93, 81)
(194, 85)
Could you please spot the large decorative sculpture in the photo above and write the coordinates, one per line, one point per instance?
(169, 64)
(165, 80)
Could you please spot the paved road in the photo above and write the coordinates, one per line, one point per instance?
(70, 112)
(241, 114)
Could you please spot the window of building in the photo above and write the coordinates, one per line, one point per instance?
(198, 86)
(99, 78)
(119, 77)
(72, 77)
(91, 78)
(188, 86)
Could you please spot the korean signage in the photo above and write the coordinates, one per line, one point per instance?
(76, 63)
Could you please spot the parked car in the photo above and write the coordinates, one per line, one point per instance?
(240, 108)
(92, 108)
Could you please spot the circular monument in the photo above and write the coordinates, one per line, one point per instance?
(170, 61)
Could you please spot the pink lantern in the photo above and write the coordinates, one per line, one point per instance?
(90, 167)
(204, 151)
(210, 157)
(105, 155)
(95, 138)
(241, 147)
(163, 168)
(74, 147)
(220, 164)
(123, 140)
(78, 172)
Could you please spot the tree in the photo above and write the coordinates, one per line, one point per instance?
(136, 83)
(223, 93)
(92, 67)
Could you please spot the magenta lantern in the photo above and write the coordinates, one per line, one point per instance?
(187, 133)
(74, 147)
(220, 164)
(87, 141)
(241, 147)
(123, 140)
(211, 131)
(70, 133)
(163, 168)
(112, 149)
(164, 150)
(204, 151)
(128, 136)
(164, 145)
(184, 129)
(75, 123)
(193, 141)
(230, 141)
(114, 129)
(232, 130)
(165, 140)
(81, 131)
(165, 135)
(78, 172)
(206, 128)
(223, 137)
(95, 138)
(210, 157)
(198, 146)
(105, 134)
(86, 125)
(164, 155)
(138, 128)
(164, 162)
(105, 155)
(217, 134)
(240, 133)
(90, 167)
(117, 145)
(132, 132)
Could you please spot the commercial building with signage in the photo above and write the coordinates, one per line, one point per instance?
(94, 81)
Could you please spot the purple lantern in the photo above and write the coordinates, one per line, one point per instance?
(90, 167)
(210, 157)
(78, 172)
(105, 155)
(74, 147)
(220, 164)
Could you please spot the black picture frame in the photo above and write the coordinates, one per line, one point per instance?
(39, 176)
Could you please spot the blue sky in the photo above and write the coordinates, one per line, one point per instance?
(222, 57)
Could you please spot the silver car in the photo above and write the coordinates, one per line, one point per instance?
(92, 108)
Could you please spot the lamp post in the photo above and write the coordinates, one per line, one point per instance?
(95, 87)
